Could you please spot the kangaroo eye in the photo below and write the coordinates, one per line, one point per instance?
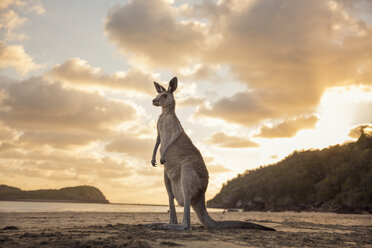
(165, 96)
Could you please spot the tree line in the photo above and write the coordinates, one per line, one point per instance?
(337, 179)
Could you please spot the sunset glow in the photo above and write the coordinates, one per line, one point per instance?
(257, 81)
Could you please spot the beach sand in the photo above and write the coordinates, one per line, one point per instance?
(88, 230)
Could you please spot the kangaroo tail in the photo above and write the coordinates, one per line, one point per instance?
(208, 222)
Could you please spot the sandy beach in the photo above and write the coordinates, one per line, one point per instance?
(91, 229)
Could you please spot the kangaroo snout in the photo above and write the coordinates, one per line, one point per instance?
(155, 101)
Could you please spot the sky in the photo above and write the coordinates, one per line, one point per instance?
(258, 79)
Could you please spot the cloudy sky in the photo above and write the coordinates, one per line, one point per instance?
(258, 79)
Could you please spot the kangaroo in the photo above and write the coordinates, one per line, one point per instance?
(185, 174)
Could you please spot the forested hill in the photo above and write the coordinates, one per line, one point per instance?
(87, 194)
(337, 179)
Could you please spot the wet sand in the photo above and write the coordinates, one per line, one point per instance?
(86, 229)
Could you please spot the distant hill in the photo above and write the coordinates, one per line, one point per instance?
(87, 194)
(335, 179)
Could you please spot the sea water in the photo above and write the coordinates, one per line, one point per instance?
(19, 206)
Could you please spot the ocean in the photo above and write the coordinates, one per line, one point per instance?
(19, 206)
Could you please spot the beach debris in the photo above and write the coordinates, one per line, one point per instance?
(11, 228)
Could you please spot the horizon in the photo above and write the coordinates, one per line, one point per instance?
(258, 80)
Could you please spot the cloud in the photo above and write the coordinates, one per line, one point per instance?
(223, 140)
(45, 130)
(64, 167)
(76, 71)
(133, 146)
(152, 31)
(149, 171)
(288, 128)
(287, 53)
(24, 5)
(202, 72)
(10, 18)
(217, 168)
(49, 168)
(242, 108)
(16, 57)
(251, 107)
(60, 140)
(308, 40)
(70, 168)
(213, 166)
(5, 3)
(190, 101)
(47, 113)
(6, 133)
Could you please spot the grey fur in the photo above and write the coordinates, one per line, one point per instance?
(185, 173)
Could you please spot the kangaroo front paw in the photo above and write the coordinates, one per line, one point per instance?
(153, 162)
(162, 160)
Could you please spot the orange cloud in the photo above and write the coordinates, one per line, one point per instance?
(288, 128)
(132, 146)
(287, 53)
(217, 168)
(203, 72)
(44, 163)
(45, 113)
(190, 101)
(6, 133)
(287, 71)
(223, 140)
(45, 129)
(243, 108)
(78, 72)
(60, 140)
(16, 57)
(36, 104)
(151, 31)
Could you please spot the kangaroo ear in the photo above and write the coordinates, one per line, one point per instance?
(173, 84)
(158, 87)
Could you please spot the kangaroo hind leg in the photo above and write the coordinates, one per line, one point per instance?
(173, 223)
(186, 188)
(172, 209)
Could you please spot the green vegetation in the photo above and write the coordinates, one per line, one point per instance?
(337, 179)
(87, 194)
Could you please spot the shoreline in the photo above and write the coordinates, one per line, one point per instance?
(216, 209)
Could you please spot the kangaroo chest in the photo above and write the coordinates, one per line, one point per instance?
(167, 125)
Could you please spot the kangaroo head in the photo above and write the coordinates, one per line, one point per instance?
(165, 97)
